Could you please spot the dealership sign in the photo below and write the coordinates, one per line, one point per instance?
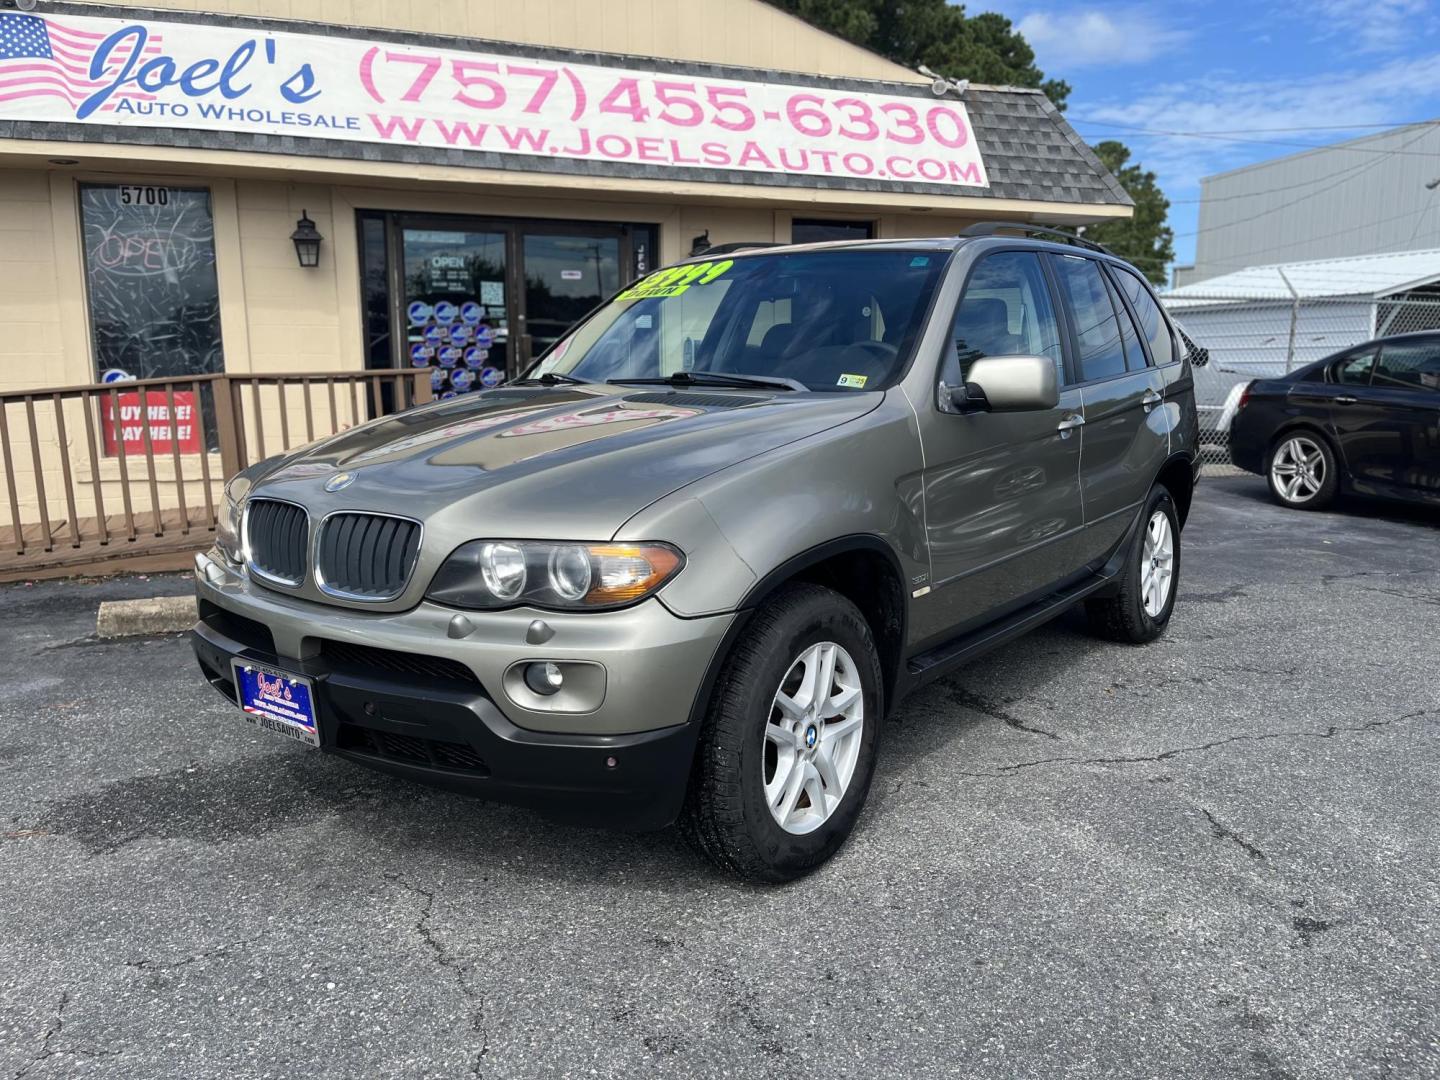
(151, 73)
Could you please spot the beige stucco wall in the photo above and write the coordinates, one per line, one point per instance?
(28, 309)
(746, 33)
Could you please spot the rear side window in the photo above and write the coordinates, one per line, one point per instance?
(1152, 323)
(1354, 370)
(1134, 351)
(1097, 330)
(1409, 366)
(1006, 311)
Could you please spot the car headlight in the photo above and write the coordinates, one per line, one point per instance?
(490, 574)
(227, 529)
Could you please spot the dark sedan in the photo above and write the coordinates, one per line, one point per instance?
(1364, 421)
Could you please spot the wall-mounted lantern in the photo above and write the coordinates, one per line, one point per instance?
(307, 241)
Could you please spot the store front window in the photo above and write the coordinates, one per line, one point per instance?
(150, 281)
(820, 230)
(474, 300)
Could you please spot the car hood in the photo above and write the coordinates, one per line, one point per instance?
(572, 462)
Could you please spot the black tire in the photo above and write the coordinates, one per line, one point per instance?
(725, 817)
(1328, 469)
(1122, 617)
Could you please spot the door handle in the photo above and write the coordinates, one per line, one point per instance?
(1346, 399)
(1069, 423)
(1150, 399)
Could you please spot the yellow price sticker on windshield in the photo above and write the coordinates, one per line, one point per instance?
(674, 280)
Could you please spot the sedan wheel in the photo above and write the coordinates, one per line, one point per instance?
(1302, 471)
(1298, 469)
(813, 737)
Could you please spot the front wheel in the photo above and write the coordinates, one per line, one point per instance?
(1140, 609)
(788, 744)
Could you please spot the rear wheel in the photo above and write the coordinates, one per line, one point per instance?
(788, 744)
(1302, 471)
(1141, 607)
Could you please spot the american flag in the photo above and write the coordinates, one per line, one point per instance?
(40, 57)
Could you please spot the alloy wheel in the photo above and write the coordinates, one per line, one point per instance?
(1298, 469)
(812, 737)
(1157, 563)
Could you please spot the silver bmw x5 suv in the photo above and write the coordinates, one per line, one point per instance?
(685, 567)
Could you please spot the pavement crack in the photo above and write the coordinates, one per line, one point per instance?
(1419, 598)
(150, 964)
(48, 1049)
(1224, 832)
(51, 1034)
(966, 700)
(1331, 732)
(447, 961)
(1330, 579)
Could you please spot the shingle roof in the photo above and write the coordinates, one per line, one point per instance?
(1367, 276)
(1030, 152)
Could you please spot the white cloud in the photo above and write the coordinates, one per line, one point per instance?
(1087, 37)
(1402, 89)
(1373, 25)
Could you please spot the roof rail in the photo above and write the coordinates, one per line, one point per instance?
(992, 228)
(733, 247)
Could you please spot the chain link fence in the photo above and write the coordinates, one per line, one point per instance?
(1261, 336)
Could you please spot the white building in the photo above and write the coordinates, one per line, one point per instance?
(1365, 196)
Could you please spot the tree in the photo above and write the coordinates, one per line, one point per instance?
(1145, 239)
(984, 48)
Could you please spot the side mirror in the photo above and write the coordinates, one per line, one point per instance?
(1008, 384)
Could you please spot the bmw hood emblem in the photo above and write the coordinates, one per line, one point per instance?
(339, 481)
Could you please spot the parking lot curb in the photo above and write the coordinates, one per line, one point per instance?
(153, 615)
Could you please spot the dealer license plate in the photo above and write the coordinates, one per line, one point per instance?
(277, 702)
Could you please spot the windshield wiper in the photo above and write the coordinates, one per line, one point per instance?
(716, 378)
(552, 378)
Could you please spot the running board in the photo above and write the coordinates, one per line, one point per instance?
(935, 662)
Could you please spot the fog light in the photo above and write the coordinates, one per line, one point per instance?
(545, 679)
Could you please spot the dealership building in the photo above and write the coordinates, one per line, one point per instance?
(526, 158)
(321, 186)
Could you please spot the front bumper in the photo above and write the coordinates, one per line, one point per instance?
(446, 720)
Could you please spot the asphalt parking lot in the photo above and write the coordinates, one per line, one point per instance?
(1214, 856)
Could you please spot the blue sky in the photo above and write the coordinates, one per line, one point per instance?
(1233, 68)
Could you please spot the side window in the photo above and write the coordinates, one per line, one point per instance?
(1006, 311)
(1096, 328)
(1152, 322)
(1134, 351)
(1354, 370)
(1409, 366)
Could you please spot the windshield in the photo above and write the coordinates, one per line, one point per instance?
(839, 320)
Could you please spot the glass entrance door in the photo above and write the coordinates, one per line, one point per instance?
(566, 274)
(475, 299)
(455, 307)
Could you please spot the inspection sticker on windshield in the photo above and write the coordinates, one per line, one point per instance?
(277, 702)
(855, 382)
(674, 280)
